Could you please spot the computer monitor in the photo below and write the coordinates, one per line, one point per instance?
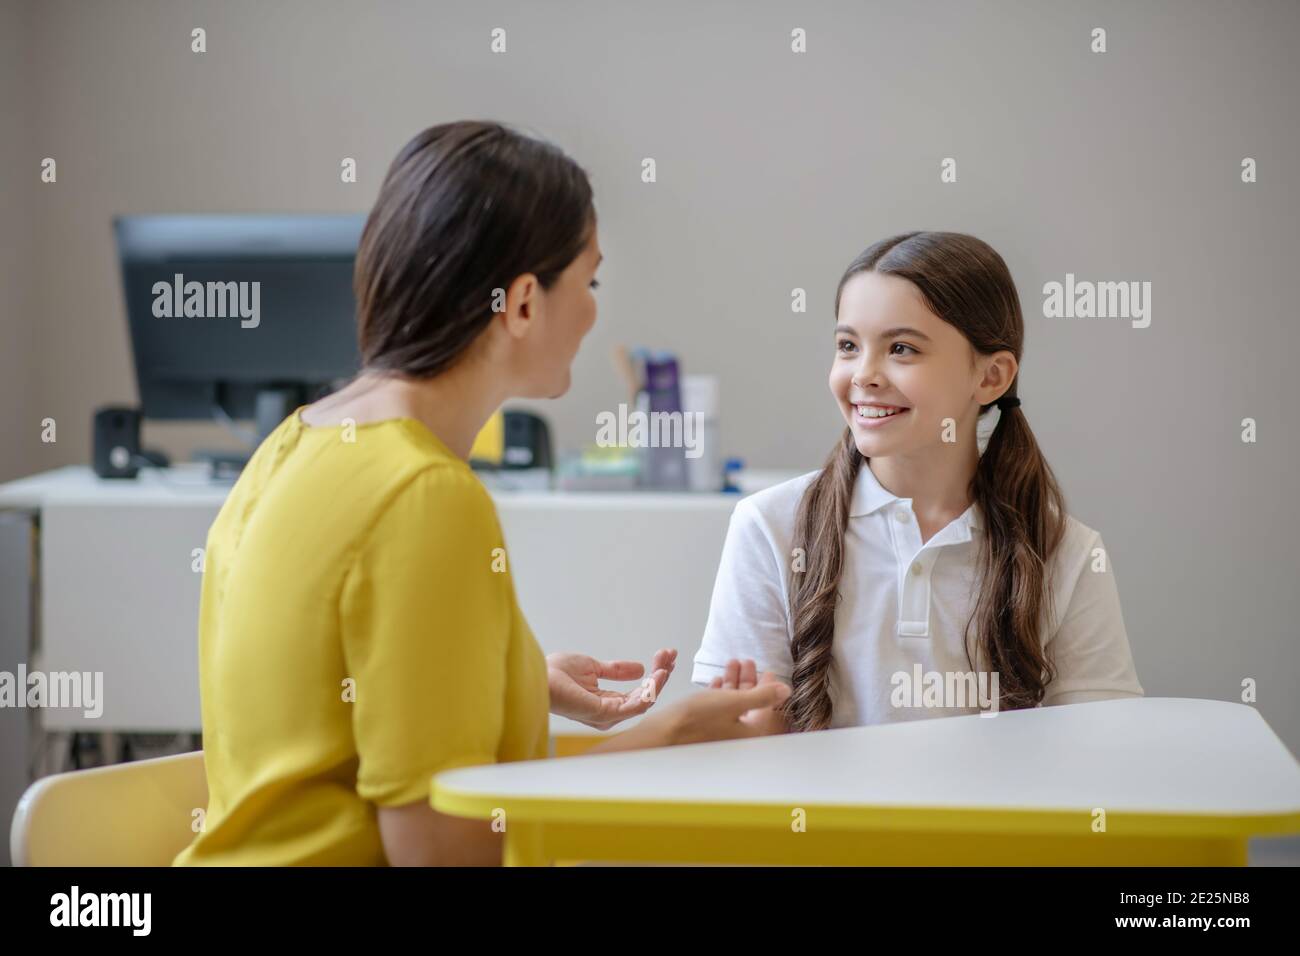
(238, 316)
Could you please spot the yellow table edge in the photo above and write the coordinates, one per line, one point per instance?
(1064, 822)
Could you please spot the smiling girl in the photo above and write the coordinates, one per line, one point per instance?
(917, 548)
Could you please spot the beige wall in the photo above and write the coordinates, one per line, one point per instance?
(774, 171)
(20, 451)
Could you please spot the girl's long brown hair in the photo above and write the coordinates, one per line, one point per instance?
(965, 283)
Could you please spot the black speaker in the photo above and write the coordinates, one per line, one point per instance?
(527, 441)
(117, 442)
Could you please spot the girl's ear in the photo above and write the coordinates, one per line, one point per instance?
(1000, 370)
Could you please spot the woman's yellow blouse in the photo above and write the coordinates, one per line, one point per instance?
(358, 632)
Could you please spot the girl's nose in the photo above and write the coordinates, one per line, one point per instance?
(866, 373)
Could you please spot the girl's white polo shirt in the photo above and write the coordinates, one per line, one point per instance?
(904, 606)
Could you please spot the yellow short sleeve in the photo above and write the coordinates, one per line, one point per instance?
(426, 627)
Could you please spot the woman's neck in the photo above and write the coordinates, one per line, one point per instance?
(453, 405)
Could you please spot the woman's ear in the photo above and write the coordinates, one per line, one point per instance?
(522, 304)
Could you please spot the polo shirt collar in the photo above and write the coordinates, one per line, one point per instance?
(869, 496)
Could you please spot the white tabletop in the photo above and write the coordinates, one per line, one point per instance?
(79, 485)
(1144, 755)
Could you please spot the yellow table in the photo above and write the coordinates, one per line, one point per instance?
(1151, 781)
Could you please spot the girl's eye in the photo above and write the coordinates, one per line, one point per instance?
(844, 345)
(595, 284)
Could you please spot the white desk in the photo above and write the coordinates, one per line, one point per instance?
(118, 593)
(1180, 782)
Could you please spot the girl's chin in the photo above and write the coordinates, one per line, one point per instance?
(867, 444)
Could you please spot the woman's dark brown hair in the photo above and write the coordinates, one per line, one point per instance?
(465, 208)
(965, 283)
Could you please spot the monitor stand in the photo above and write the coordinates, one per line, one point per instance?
(223, 465)
(273, 406)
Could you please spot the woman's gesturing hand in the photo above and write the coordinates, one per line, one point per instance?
(576, 693)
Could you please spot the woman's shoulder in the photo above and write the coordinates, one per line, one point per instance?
(437, 485)
(388, 463)
(431, 514)
(392, 482)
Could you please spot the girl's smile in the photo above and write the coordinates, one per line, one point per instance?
(874, 415)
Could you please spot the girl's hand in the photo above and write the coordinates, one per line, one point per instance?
(740, 675)
(574, 681)
(709, 715)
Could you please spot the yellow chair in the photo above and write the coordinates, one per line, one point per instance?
(131, 814)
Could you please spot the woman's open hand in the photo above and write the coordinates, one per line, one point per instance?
(576, 693)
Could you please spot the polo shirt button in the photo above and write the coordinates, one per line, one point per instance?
(901, 515)
(917, 568)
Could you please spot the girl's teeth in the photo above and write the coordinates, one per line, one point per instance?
(867, 412)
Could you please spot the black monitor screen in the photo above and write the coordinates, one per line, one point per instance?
(222, 306)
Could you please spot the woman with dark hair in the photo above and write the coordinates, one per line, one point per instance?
(358, 627)
(921, 547)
